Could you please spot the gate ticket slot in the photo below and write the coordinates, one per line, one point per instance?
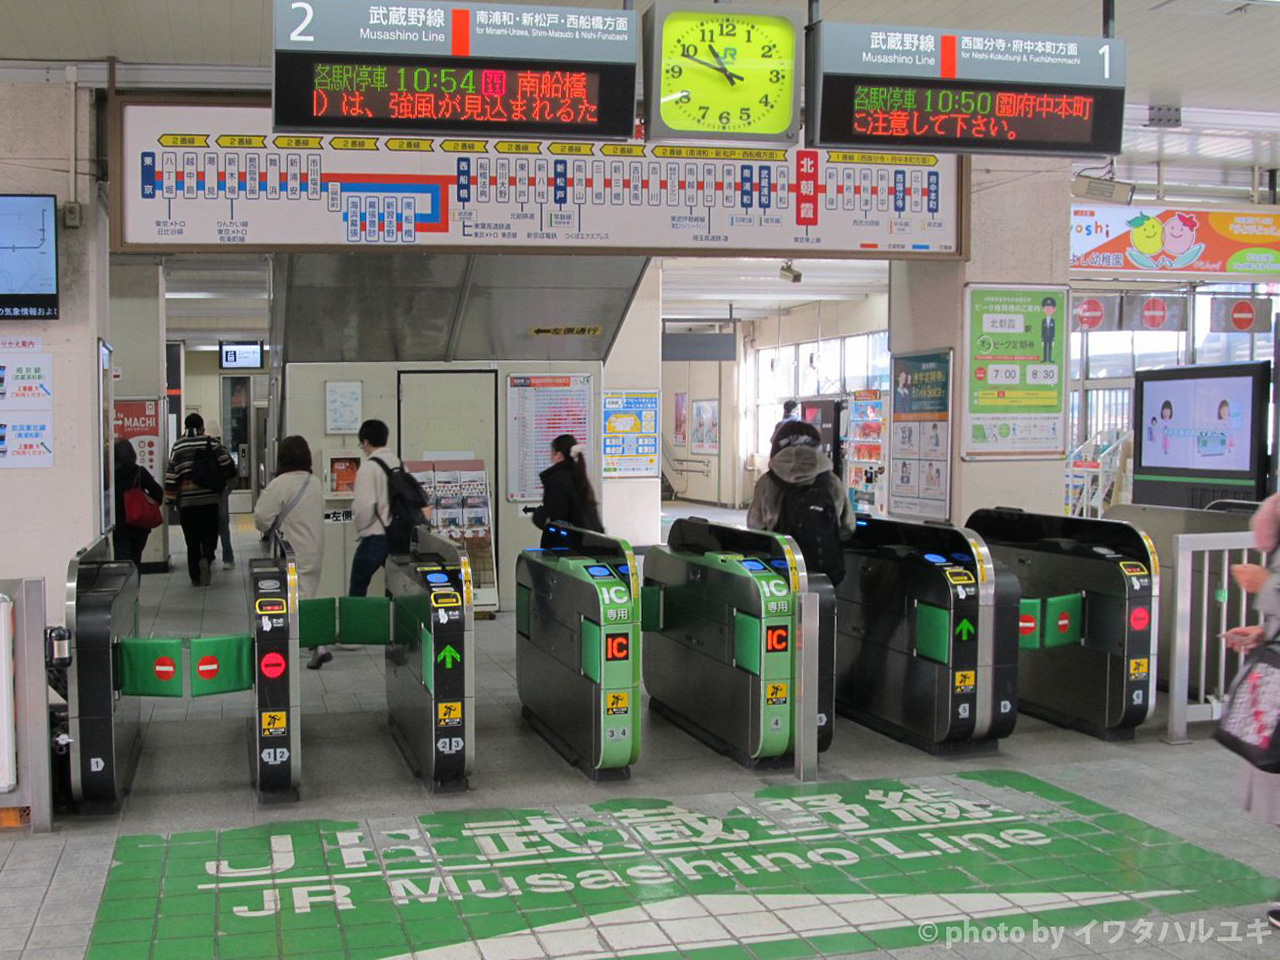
(578, 649)
(277, 759)
(431, 691)
(927, 637)
(1087, 618)
(722, 629)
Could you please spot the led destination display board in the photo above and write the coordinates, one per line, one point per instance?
(385, 94)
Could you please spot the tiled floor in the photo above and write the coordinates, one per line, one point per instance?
(362, 818)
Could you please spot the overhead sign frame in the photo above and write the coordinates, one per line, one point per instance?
(924, 88)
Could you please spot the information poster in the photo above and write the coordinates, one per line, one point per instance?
(630, 433)
(217, 177)
(1015, 344)
(680, 430)
(342, 406)
(138, 421)
(539, 409)
(920, 436)
(26, 405)
(706, 427)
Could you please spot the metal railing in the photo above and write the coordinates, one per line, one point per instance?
(1207, 603)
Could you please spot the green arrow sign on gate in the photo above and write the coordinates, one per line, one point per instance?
(965, 630)
(449, 656)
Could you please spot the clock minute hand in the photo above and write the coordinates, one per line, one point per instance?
(728, 74)
(718, 69)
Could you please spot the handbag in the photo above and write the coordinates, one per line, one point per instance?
(140, 510)
(1250, 722)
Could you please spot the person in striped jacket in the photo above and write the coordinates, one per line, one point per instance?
(199, 468)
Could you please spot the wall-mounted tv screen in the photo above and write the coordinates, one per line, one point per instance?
(245, 355)
(1200, 434)
(28, 257)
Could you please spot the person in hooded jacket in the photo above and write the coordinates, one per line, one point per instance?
(796, 460)
(566, 491)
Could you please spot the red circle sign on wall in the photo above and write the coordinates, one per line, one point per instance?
(1242, 315)
(1089, 314)
(1154, 314)
(165, 668)
(207, 667)
(272, 665)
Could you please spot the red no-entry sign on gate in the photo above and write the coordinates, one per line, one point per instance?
(207, 668)
(165, 668)
(1026, 625)
(272, 665)
(1064, 622)
(1140, 618)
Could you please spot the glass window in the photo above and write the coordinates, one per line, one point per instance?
(1156, 349)
(808, 370)
(829, 366)
(855, 363)
(767, 417)
(878, 365)
(777, 371)
(1110, 354)
(1075, 343)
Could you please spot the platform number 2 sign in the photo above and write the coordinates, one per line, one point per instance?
(308, 12)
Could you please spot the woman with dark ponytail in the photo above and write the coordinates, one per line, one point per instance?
(566, 490)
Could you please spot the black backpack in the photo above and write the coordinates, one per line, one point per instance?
(206, 471)
(811, 517)
(406, 500)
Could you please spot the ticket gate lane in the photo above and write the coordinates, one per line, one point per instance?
(1090, 596)
(276, 727)
(578, 650)
(430, 676)
(720, 660)
(927, 649)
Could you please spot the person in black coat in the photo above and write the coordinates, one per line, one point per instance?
(130, 541)
(566, 491)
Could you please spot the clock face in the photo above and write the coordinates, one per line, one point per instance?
(727, 73)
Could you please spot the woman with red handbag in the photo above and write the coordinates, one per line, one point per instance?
(138, 499)
(1260, 791)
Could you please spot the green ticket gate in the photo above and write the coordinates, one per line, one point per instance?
(1089, 602)
(721, 634)
(578, 649)
(431, 687)
(927, 648)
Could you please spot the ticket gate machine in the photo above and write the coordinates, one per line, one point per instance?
(276, 728)
(927, 650)
(578, 649)
(103, 726)
(719, 656)
(1089, 602)
(431, 685)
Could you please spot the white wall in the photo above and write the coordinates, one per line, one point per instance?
(823, 319)
(705, 380)
(49, 514)
(632, 509)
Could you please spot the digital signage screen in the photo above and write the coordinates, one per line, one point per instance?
(240, 356)
(378, 93)
(28, 257)
(1203, 424)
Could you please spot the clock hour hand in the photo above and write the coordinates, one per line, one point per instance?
(728, 74)
(718, 69)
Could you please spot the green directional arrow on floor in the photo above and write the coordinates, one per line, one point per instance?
(449, 656)
(965, 630)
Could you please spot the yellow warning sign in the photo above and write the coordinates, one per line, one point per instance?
(775, 694)
(617, 703)
(890, 159)
(518, 146)
(449, 713)
(464, 146)
(353, 143)
(623, 150)
(297, 143)
(1139, 668)
(958, 575)
(409, 144)
(184, 140)
(571, 149)
(243, 141)
(275, 723)
(966, 680)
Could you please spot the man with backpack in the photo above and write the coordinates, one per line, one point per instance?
(801, 497)
(388, 504)
(199, 468)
